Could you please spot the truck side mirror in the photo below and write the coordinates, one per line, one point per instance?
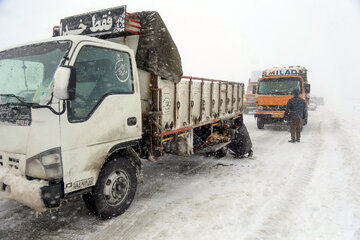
(307, 88)
(254, 89)
(65, 82)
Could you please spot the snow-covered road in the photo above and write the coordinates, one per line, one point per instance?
(287, 191)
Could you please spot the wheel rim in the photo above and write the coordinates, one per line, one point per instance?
(117, 186)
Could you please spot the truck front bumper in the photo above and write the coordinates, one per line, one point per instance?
(270, 117)
(250, 106)
(36, 194)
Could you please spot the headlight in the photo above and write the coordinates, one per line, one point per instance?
(260, 108)
(46, 165)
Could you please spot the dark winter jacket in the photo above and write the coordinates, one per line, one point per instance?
(296, 108)
(241, 142)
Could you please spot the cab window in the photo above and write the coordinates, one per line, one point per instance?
(100, 72)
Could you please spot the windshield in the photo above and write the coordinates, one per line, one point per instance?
(28, 71)
(279, 86)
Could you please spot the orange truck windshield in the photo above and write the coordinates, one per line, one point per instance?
(279, 86)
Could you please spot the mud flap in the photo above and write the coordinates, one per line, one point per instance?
(52, 194)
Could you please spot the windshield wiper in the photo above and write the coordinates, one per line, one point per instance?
(14, 96)
(35, 105)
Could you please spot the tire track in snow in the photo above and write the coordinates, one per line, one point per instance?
(141, 213)
(272, 218)
(351, 157)
(331, 184)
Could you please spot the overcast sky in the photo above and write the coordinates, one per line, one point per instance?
(228, 39)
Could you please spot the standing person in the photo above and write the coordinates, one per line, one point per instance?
(296, 112)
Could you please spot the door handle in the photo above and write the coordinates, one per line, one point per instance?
(131, 121)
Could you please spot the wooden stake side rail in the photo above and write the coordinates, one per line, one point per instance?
(191, 104)
(234, 109)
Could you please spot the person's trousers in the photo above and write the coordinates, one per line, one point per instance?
(295, 128)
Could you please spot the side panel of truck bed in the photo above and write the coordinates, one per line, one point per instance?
(187, 103)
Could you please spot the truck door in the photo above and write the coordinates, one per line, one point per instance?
(106, 111)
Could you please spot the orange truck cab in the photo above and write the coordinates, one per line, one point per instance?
(274, 90)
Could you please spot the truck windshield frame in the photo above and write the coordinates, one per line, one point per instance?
(27, 72)
(279, 85)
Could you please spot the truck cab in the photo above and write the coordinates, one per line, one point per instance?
(249, 98)
(51, 143)
(274, 91)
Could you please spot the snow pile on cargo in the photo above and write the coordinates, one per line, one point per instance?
(157, 52)
(22, 190)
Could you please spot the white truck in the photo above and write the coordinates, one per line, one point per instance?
(78, 113)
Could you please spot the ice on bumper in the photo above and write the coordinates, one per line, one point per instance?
(17, 187)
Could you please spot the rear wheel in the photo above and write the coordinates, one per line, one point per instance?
(260, 123)
(114, 191)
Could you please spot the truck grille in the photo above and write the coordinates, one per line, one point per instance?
(273, 107)
(15, 162)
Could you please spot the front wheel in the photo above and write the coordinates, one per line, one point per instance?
(114, 191)
(260, 123)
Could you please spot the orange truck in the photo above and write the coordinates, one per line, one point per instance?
(274, 90)
(250, 98)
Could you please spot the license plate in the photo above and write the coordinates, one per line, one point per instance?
(278, 115)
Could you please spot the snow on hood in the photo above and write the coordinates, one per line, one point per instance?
(13, 138)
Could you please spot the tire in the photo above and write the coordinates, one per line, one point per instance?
(114, 190)
(221, 153)
(260, 123)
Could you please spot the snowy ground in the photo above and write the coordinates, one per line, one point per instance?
(288, 191)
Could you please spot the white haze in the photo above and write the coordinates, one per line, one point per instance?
(228, 39)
